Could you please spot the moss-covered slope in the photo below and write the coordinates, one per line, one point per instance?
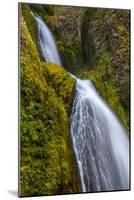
(47, 163)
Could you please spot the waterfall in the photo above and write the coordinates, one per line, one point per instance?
(100, 143)
(46, 41)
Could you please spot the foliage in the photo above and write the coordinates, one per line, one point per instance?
(47, 164)
(72, 54)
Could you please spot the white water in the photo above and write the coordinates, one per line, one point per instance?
(100, 143)
(47, 44)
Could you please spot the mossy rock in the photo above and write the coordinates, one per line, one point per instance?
(63, 84)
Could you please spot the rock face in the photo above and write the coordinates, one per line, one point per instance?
(68, 31)
(47, 162)
(68, 23)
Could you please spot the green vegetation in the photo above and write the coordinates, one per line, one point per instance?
(72, 54)
(30, 21)
(47, 163)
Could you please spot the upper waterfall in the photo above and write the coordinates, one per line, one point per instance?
(47, 44)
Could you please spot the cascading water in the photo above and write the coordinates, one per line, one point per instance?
(100, 143)
(47, 44)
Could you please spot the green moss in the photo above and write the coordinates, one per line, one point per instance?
(72, 54)
(47, 164)
(29, 19)
(62, 83)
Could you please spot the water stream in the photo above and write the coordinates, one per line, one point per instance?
(100, 142)
(47, 44)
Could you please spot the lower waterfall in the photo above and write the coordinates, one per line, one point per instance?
(100, 143)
